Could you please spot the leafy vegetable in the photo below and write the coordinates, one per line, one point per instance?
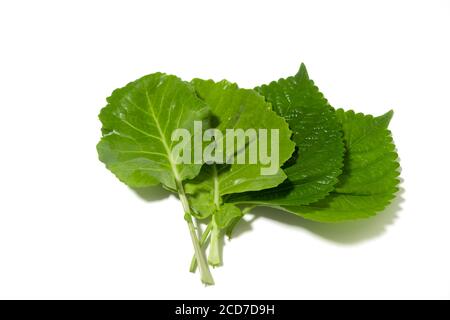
(370, 178)
(313, 171)
(234, 108)
(137, 126)
(136, 144)
(330, 165)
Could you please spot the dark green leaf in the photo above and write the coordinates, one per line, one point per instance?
(370, 176)
(313, 171)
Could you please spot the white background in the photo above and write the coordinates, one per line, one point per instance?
(70, 229)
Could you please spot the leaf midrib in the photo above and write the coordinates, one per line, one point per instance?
(163, 139)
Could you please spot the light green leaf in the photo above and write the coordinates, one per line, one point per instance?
(313, 171)
(202, 204)
(233, 223)
(137, 145)
(137, 126)
(370, 176)
(234, 108)
(226, 214)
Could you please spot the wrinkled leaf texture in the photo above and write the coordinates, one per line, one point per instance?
(314, 169)
(370, 176)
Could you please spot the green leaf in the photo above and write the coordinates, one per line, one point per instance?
(202, 204)
(137, 126)
(137, 145)
(370, 176)
(233, 223)
(234, 108)
(226, 214)
(313, 170)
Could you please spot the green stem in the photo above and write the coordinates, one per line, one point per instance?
(203, 241)
(214, 243)
(205, 273)
(214, 246)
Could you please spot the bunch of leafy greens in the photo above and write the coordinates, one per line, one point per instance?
(336, 165)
